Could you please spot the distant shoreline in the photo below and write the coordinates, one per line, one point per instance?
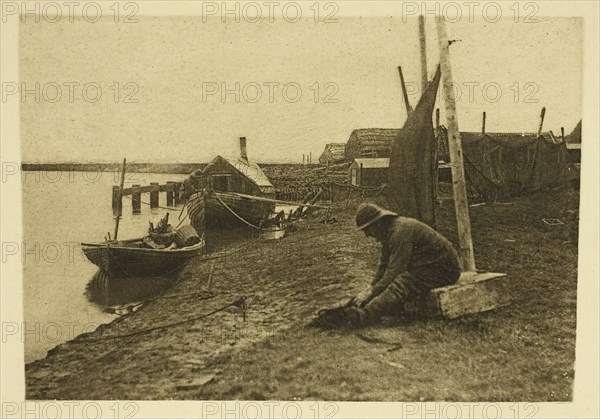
(168, 168)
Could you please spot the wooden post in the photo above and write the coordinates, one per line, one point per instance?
(170, 195)
(423, 45)
(461, 205)
(300, 209)
(154, 195)
(404, 93)
(310, 157)
(176, 197)
(348, 197)
(541, 121)
(562, 133)
(302, 158)
(117, 204)
(483, 125)
(360, 176)
(313, 201)
(120, 207)
(136, 201)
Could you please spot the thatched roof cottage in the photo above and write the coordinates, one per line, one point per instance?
(370, 142)
(333, 153)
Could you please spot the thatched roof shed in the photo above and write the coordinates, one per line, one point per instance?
(370, 142)
(333, 153)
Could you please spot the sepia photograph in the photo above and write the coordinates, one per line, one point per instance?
(273, 209)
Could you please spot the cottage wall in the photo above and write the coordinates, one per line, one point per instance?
(368, 177)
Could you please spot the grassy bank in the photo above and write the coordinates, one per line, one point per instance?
(524, 352)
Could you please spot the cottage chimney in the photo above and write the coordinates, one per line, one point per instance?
(243, 152)
(541, 121)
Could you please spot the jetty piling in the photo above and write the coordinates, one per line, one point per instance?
(154, 195)
(136, 199)
(117, 201)
(176, 194)
(170, 195)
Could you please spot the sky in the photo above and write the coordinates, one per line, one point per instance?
(290, 88)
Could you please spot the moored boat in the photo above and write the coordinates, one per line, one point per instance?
(131, 257)
(229, 192)
(211, 209)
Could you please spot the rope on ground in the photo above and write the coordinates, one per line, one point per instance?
(237, 249)
(240, 303)
(128, 309)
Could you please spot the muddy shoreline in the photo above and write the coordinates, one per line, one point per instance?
(168, 350)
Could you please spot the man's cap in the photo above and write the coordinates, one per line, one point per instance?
(368, 213)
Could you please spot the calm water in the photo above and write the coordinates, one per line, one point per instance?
(63, 293)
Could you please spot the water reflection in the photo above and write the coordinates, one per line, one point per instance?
(114, 291)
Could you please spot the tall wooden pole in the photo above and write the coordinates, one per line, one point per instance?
(404, 93)
(120, 201)
(423, 44)
(483, 124)
(461, 205)
(542, 115)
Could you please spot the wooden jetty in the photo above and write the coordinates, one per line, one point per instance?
(173, 190)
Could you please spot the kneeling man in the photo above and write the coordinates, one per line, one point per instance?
(415, 259)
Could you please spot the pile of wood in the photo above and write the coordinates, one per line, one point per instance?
(293, 182)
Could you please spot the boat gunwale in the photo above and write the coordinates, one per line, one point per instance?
(181, 250)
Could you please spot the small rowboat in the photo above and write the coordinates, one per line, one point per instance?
(130, 257)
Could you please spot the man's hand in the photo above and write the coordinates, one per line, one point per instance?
(363, 297)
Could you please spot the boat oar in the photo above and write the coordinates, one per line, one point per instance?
(120, 206)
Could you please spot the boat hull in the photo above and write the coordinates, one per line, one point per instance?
(117, 258)
(226, 210)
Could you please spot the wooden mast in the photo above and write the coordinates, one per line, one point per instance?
(120, 204)
(466, 253)
(542, 115)
(404, 93)
(483, 124)
(423, 45)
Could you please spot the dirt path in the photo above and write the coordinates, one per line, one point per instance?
(524, 352)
